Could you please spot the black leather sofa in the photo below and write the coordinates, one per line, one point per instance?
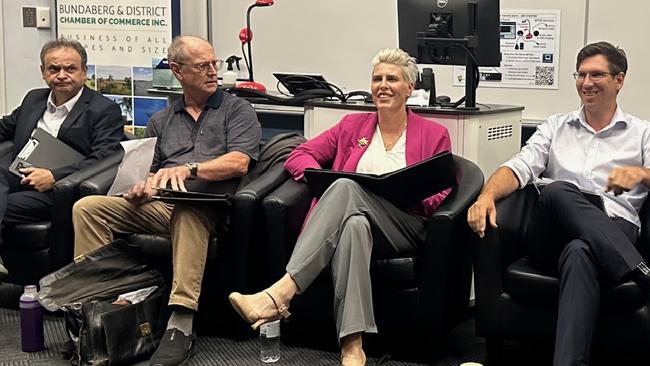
(32, 250)
(416, 299)
(517, 302)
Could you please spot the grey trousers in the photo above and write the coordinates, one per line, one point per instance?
(346, 227)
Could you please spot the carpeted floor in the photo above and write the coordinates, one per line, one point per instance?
(208, 351)
(461, 345)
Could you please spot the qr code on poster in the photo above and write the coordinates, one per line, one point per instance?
(544, 75)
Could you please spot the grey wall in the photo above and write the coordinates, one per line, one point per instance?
(21, 51)
(338, 38)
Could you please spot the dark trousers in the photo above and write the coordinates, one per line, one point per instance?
(569, 235)
(20, 203)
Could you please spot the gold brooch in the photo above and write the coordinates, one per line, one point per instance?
(363, 142)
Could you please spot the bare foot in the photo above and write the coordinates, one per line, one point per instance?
(353, 360)
(352, 350)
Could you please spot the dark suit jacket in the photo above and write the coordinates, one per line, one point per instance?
(94, 127)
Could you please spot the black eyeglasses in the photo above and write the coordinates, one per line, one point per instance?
(204, 66)
(592, 75)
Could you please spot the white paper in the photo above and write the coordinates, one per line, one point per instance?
(135, 166)
(137, 296)
(530, 52)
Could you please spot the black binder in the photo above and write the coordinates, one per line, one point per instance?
(43, 150)
(172, 196)
(404, 187)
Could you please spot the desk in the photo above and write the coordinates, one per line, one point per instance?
(274, 117)
(488, 136)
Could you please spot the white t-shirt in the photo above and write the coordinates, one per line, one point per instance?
(376, 160)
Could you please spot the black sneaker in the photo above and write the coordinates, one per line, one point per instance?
(173, 350)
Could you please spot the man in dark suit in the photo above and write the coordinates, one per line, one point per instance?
(78, 116)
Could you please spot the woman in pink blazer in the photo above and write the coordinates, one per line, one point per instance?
(349, 224)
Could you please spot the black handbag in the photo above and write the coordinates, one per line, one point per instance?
(104, 333)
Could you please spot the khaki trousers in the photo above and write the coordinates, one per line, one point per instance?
(98, 218)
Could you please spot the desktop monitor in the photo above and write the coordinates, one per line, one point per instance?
(450, 19)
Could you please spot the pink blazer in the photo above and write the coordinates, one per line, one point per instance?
(339, 146)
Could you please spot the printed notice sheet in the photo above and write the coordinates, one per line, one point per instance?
(530, 44)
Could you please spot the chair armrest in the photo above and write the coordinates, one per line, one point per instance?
(245, 231)
(90, 172)
(284, 212)
(101, 181)
(496, 251)
(446, 270)
(5, 147)
(261, 186)
(66, 193)
(470, 182)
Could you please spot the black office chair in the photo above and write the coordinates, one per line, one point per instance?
(416, 298)
(32, 250)
(515, 301)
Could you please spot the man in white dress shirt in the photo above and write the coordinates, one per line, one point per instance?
(597, 148)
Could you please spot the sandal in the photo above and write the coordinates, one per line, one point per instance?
(246, 311)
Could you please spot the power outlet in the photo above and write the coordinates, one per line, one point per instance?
(29, 17)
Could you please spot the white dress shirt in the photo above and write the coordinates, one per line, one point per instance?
(53, 117)
(376, 160)
(566, 148)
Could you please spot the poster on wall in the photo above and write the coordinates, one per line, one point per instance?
(121, 38)
(530, 44)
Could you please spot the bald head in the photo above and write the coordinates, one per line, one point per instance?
(179, 49)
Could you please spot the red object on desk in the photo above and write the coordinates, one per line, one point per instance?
(252, 85)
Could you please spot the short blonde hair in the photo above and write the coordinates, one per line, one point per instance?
(400, 58)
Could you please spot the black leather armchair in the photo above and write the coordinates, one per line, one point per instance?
(416, 299)
(233, 261)
(32, 250)
(517, 302)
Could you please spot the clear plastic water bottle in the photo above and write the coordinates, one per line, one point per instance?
(31, 321)
(270, 340)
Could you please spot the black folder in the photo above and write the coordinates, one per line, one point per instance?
(43, 150)
(404, 187)
(171, 196)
